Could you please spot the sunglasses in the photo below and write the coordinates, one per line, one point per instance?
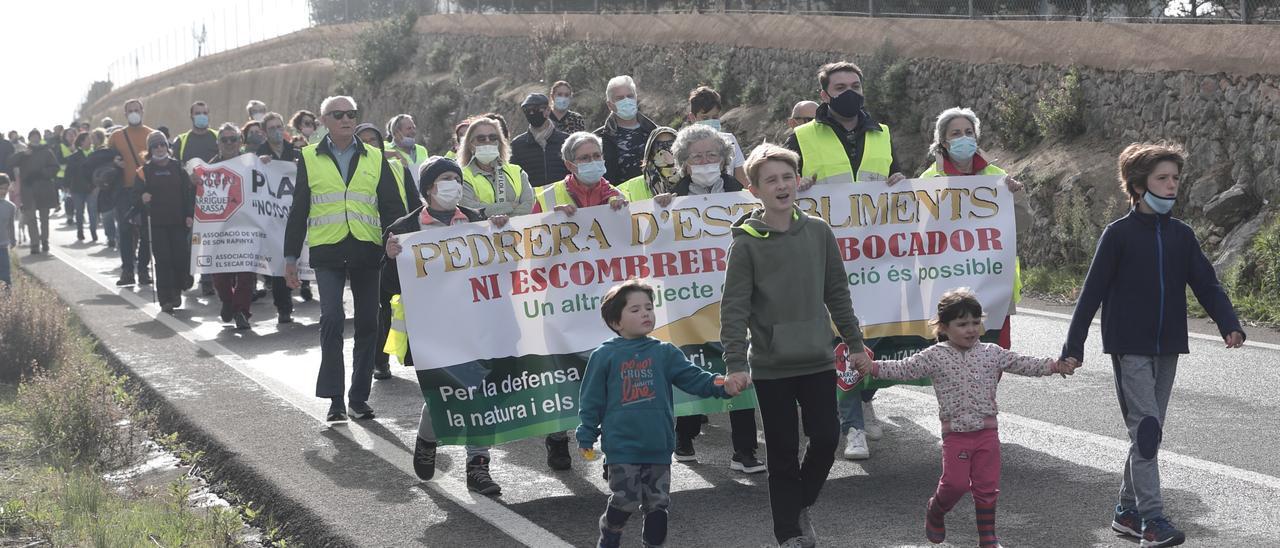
(490, 138)
(338, 114)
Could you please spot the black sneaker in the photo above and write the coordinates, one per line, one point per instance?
(1126, 521)
(259, 293)
(1157, 533)
(747, 463)
(228, 311)
(305, 291)
(558, 454)
(478, 478)
(166, 308)
(126, 279)
(361, 411)
(382, 371)
(111, 245)
(242, 321)
(284, 318)
(424, 459)
(684, 451)
(337, 412)
(144, 279)
(206, 289)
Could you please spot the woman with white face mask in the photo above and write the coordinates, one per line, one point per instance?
(585, 186)
(170, 200)
(489, 181)
(441, 185)
(702, 156)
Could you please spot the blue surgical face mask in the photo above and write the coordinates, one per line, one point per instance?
(562, 103)
(201, 121)
(627, 108)
(962, 149)
(1160, 204)
(713, 123)
(590, 173)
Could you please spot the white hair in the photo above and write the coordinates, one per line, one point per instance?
(617, 82)
(324, 105)
(255, 104)
(577, 139)
(228, 126)
(694, 133)
(944, 120)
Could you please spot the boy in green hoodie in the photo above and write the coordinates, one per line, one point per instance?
(627, 389)
(785, 284)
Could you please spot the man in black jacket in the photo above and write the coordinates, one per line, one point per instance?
(537, 151)
(355, 256)
(624, 132)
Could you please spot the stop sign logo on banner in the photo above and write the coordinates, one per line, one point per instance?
(847, 378)
(219, 193)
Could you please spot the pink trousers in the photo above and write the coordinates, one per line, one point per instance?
(970, 463)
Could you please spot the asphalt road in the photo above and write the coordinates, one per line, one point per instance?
(250, 395)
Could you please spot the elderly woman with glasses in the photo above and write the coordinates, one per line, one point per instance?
(586, 185)
(702, 159)
(490, 183)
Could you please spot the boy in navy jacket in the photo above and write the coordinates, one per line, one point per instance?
(1144, 262)
(627, 390)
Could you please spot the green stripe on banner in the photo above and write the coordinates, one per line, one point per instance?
(495, 401)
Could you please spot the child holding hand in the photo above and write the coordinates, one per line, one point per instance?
(965, 375)
(627, 390)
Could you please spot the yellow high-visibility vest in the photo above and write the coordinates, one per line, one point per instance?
(484, 189)
(340, 209)
(825, 158)
(635, 189)
(397, 337)
(553, 195)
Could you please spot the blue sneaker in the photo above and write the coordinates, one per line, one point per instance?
(1158, 532)
(1126, 521)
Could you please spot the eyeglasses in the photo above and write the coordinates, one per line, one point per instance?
(802, 119)
(592, 158)
(338, 114)
(708, 157)
(229, 140)
(490, 138)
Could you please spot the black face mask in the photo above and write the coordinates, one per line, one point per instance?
(847, 104)
(536, 119)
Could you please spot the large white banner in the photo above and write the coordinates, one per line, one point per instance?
(533, 287)
(242, 206)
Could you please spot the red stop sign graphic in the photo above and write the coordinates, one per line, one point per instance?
(219, 193)
(847, 378)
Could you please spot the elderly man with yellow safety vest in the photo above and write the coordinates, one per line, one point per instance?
(402, 134)
(843, 143)
(345, 196)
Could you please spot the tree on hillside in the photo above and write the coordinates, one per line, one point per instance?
(98, 90)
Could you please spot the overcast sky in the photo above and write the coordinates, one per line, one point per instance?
(54, 49)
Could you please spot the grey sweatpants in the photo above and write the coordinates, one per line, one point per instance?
(1143, 385)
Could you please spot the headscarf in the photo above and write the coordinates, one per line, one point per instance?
(658, 159)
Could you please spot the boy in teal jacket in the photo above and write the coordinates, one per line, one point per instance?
(627, 389)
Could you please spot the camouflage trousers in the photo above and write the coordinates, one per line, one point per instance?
(645, 487)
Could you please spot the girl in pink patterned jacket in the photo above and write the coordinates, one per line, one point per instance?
(965, 373)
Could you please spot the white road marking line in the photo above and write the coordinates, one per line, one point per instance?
(1201, 336)
(453, 488)
(1061, 434)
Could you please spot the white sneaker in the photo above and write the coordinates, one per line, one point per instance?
(870, 423)
(855, 445)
